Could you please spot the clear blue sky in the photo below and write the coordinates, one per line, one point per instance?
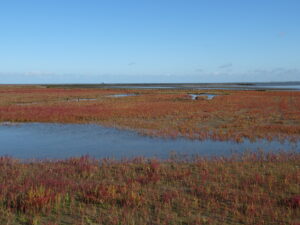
(71, 41)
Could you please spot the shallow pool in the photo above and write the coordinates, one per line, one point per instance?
(209, 96)
(47, 140)
(121, 95)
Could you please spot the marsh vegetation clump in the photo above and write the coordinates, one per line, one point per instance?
(253, 188)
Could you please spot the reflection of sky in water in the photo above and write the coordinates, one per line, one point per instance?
(282, 87)
(142, 87)
(209, 96)
(121, 95)
(215, 86)
(37, 140)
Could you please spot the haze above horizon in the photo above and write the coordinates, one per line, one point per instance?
(132, 41)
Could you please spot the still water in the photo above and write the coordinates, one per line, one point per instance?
(121, 95)
(209, 96)
(295, 86)
(48, 140)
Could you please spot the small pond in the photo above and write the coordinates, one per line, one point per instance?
(209, 96)
(212, 86)
(47, 140)
(121, 95)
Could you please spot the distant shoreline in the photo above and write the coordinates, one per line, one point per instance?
(290, 85)
(230, 86)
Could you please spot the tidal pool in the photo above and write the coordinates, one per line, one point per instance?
(209, 96)
(121, 95)
(57, 141)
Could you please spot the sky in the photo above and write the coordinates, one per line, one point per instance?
(152, 41)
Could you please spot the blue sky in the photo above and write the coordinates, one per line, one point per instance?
(87, 41)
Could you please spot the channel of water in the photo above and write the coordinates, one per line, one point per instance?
(56, 141)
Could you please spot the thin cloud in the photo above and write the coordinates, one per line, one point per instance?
(279, 70)
(225, 66)
(131, 64)
(38, 73)
(217, 73)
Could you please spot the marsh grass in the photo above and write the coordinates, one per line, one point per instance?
(253, 188)
(232, 115)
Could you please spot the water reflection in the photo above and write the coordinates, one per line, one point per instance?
(208, 96)
(46, 140)
(121, 95)
(212, 86)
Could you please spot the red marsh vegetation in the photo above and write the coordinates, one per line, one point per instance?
(254, 188)
(232, 115)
